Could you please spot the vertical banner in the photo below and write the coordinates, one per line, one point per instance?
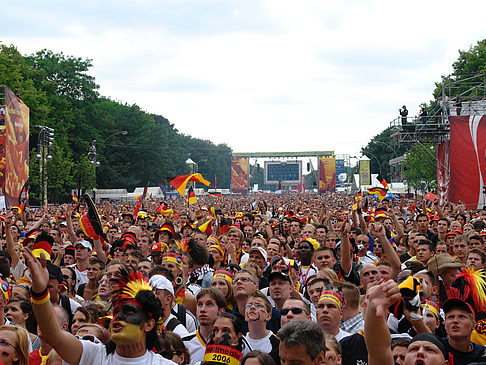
(364, 172)
(467, 160)
(327, 173)
(240, 168)
(443, 171)
(16, 147)
(340, 170)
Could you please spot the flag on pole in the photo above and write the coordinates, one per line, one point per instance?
(75, 197)
(140, 198)
(191, 197)
(383, 182)
(180, 182)
(215, 193)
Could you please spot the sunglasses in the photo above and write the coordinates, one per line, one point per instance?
(256, 305)
(294, 310)
(90, 338)
(377, 246)
(362, 241)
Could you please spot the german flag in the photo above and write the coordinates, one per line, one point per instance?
(191, 197)
(378, 191)
(215, 193)
(180, 182)
(75, 198)
(382, 182)
(90, 221)
(213, 212)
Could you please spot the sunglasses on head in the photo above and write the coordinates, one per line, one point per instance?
(294, 310)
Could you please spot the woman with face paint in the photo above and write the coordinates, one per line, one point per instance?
(227, 331)
(14, 345)
(132, 329)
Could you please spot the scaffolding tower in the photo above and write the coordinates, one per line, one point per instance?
(460, 94)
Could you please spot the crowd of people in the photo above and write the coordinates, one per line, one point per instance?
(263, 279)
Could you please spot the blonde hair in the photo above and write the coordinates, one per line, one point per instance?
(22, 342)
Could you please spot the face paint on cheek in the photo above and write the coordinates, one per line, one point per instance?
(126, 333)
(131, 314)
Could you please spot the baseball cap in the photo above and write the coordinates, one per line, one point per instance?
(457, 303)
(279, 275)
(158, 248)
(85, 244)
(429, 337)
(161, 282)
(54, 272)
(261, 251)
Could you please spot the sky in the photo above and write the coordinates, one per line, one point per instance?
(260, 76)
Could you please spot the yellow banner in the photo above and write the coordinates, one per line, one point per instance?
(364, 172)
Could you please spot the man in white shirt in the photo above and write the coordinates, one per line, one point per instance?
(210, 304)
(258, 312)
(165, 292)
(133, 330)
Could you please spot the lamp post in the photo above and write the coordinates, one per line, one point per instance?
(93, 158)
(123, 133)
(44, 144)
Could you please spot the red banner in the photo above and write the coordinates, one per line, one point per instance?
(16, 147)
(240, 168)
(467, 160)
(327, 173)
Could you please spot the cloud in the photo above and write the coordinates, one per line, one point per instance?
(265, 75)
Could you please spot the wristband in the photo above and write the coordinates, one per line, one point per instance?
(40, 298)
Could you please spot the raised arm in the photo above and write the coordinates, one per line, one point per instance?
(362, 222)
(346, 263)
(66, 345)
(99, 250)
(398, 226)
(379, 231)
(9, 239)
(376, 333)
(68, 212)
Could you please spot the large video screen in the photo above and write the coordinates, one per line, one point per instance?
(283, 171)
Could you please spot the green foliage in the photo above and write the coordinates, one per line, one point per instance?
(380, 150)
(420, 167)
(62, 95)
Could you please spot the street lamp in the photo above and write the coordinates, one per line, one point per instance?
(123, 133)
(44, 144)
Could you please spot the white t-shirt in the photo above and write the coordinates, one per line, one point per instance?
(263, 344)
(342, 334)
(81, 276)
(95, 354)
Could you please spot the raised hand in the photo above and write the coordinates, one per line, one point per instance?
(38, 270)
(382, 296)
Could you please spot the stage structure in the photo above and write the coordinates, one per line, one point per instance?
(285, 170)
(14, 146)
(457, 126)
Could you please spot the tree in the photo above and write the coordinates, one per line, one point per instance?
(420, 167)
(380, 150)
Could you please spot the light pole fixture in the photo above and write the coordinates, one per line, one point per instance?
(44, 144)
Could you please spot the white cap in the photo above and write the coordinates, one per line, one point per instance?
(161, 282)
(261, 251)
(85, 244)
